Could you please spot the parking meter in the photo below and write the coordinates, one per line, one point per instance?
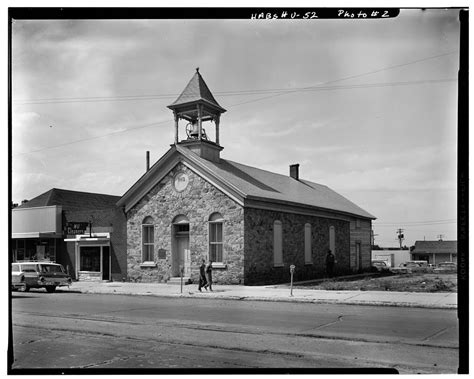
(292, 270)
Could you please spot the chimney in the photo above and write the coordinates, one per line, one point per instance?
(295, 171)
(147, 161)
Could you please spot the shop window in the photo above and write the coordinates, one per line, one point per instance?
(148, 240)
(90, 259)
(308, 259)
(277, 244)
(216, 244)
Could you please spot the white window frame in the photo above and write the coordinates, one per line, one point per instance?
(148, 223)
(215, 219)
(308, 256)
(277, 244)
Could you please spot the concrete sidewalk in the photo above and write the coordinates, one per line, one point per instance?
(444, 300)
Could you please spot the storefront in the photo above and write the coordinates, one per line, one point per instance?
(85, 232)
(92, 256)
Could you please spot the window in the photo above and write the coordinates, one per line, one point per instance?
(216, 245)
(90, 259)
(358, 256)
(148, 240)
(357, 223)
(277, 244)
(332, 239)
(308, 259)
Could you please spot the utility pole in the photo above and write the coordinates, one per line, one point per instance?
(400, 237)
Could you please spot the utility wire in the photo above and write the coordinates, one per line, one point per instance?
(354, 76)
(280, 91)
(255, 100)
(92, 138)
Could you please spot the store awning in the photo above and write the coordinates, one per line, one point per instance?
(97, 238)
(36, 235)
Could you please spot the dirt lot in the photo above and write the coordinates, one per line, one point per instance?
(416, 282)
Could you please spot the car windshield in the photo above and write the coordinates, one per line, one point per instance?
(52, 268)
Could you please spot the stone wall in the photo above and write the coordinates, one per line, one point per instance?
(197, 202)
(259, 266)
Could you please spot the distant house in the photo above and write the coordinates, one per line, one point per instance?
(85, 232)
(253, 224)
(435, 251)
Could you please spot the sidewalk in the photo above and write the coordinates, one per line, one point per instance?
(281, 293)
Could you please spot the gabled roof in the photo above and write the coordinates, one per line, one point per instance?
(436, 246)
(246, 183)
(196, 91)
(72, 200)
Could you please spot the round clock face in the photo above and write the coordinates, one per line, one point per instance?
(181, 181)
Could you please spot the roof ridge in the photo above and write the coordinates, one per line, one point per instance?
(83, 192)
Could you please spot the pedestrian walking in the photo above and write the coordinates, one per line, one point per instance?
(329, 263)
(209, 276)
(202, 275)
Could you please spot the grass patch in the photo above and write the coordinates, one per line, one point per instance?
(416, 282)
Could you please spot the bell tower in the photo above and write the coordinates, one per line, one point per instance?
(196, 105)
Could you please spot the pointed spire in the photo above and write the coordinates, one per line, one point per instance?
(197, 91)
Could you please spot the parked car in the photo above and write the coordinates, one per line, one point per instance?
(34, 274)
(18, 281)
(380, 265)
(412, 266)
(446, 267)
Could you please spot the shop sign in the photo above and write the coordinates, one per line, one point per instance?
(74, 228)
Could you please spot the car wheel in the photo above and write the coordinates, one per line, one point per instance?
(50, 289)
(25, 288)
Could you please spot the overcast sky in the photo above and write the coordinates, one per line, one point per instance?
(378, 123)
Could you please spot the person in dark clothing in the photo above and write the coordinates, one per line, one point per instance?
(329, 264)
(209, 276)
(202, 276)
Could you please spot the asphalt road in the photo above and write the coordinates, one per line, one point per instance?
(85, 331)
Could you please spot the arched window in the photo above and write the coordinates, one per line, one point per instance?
(332, 239)
(148, 240)
(216, 245)
(308, 258)
(277, 244)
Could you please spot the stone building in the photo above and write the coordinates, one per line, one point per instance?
(85, 232)
(253, 224)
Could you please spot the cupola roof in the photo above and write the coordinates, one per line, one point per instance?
(196, 91)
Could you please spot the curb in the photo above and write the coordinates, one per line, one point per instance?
(276, 299)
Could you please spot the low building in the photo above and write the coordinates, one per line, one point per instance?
(392, 256)
(253, 224)
(85, 232)
(435, 251)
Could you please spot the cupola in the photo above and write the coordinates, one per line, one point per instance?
(196, 105)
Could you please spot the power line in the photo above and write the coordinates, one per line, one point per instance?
(95, 99)
(278, 94)
(91, 138)
(357, 75)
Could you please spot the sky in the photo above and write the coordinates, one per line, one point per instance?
(366, 107)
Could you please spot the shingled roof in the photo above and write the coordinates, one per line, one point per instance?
(436, 247)
(72, 200)
(196, 90)
(248, 184)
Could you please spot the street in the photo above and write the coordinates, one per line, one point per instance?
(86, 331)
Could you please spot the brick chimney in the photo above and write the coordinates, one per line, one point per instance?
(147, 161)
(295, 171)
